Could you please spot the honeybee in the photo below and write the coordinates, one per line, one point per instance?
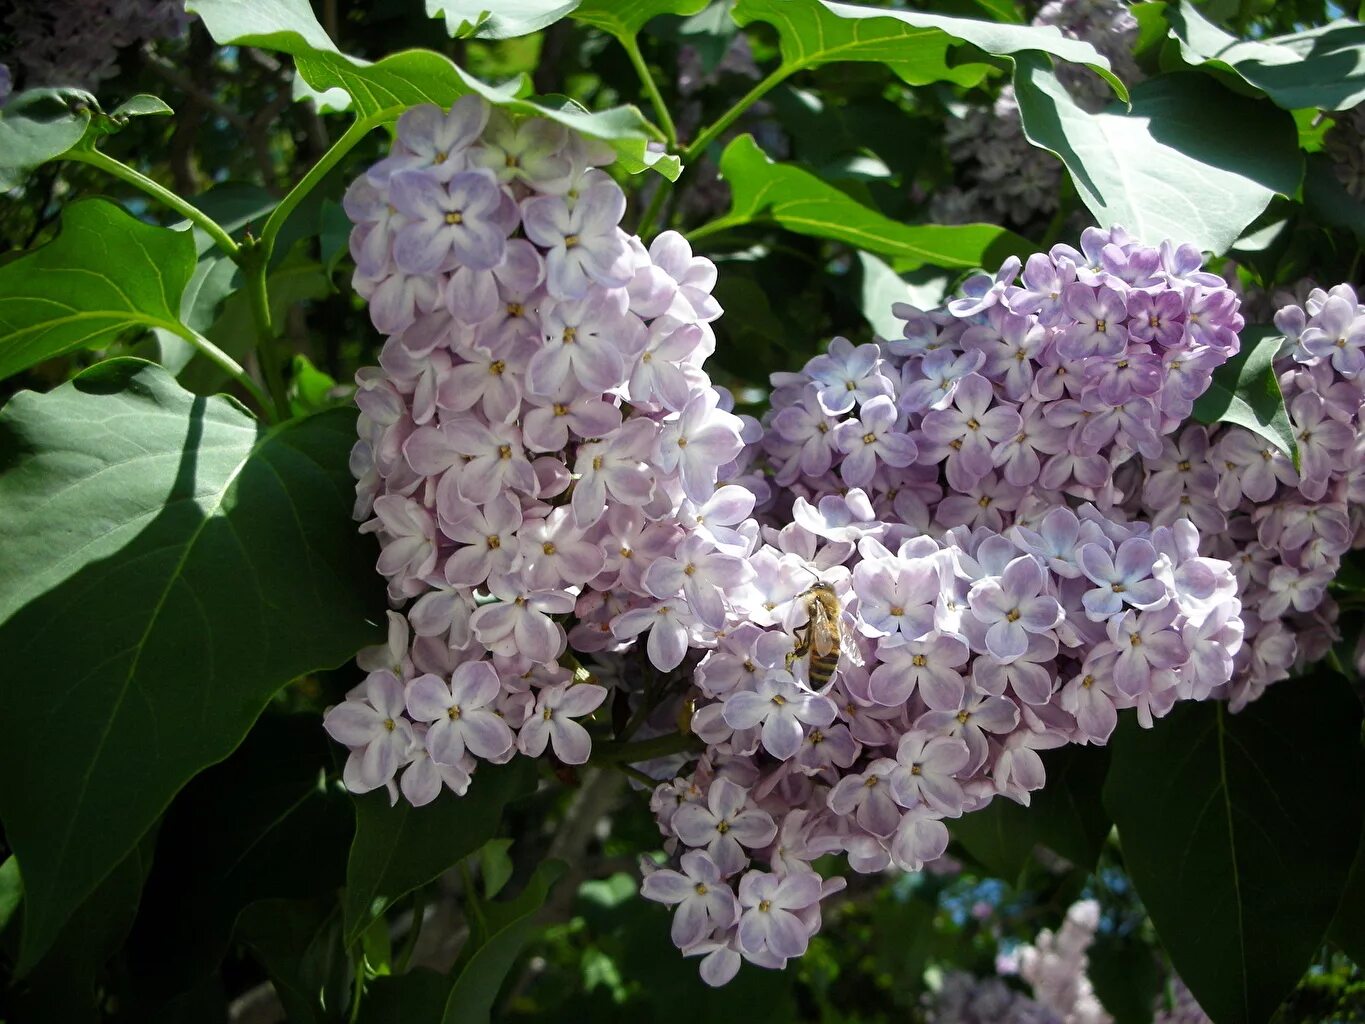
(822, 636)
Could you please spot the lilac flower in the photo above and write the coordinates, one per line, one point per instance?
(460, 219)
(1013, 607)
(936, 378)
(669, 624)
(846, 375)
(770, 921)
(583, 243)
(782, 709)
(724, 825)
(554, 553)
(520, 623)
(460, 713)
(808, 427)
(981, 292)
(410, 553)
(615, 466)
(704, 902)
(434, 142)
(925, 772)
(552, 722)
(964, 433)
(701, 440)
(1123, 578)
(977, 715)
(867, 796)
(1009, 347)
(546, 426)
(870, 440)
(1100, 322)
(588, 340)
(487, 536)
(897, 596)
(930, 666)
(530, 151)
(373, 726)
(920, 838)
(703, 576)
(1145, 641)
(1156, 319)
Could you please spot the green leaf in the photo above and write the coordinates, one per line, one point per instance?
(1245, 391)
(799, 201)
(913, 44)
(1238, 832)
(142, 105)
(624, 18)
(881, 288)
(1322, 68)
(11, 891)
(508, 20)
(106, 272)
(311, 390)
(38, 125)
(203, 561)
(1327, 199)
(398, 848)
(1066, 816)
(494, 865)
(510, 926)
(1126, 978)
(1177, 165)
(382, 91)
(64, 989)
(264, 824)
(1348, 926)
(298, 942)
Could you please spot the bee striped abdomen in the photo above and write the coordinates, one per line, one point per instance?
(822, 667)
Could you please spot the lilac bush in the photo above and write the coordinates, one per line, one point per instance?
(1019, 530)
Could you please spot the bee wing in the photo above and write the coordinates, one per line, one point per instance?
(824, 630)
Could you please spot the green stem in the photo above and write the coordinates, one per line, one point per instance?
(419, 909)
(637, 775)
(730, 116)
(714, 227)
(479, 929)
(359, 990)
(644, 750)
(645, 227)
(163, 195)
(258, 295)
(349, 140)
(637, 59)
(229, 366)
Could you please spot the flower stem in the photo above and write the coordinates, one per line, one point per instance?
(637, 60)
(419, 909)
(644, 750)
(163, 195)
(258, 295)
(730, 116)
(229, 366)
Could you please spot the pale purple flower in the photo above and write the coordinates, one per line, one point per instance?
(932, 384)
(1090, 697)
(546, 424)
(373, 725)
(616, 465)
(1211, 645)
(659, 374)
(584, 244)
(589, 340)
(555, 554)
(1028, 676)
(1145, 641)
(486, 535)
(920, 838)
(1156, 319)
(965, 432)
(422, 779)
(670, 624)
(872, 439)
(1337, 333)
(552, 722)
(433, 141)
(982, 291)
(1124, 577)
(1100, 316)
(772, 903)
(724, 825)
(460, 713)
(977, 715)
(695, 276)
(1009, 346)
(704, 901)
(896, 596)
(702, 574)
(461, 219)
(1013, 606)
(846, 375)
(926, 772)
(931, 666)
(867, 796)
(409, 541)
(806, 425)
(529, 151)
(782, 709)
(519, 621)
(696, 444)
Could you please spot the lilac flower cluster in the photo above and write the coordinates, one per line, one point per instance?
(539, 440)
(954, 490)
(77, 42)
(1283, 528)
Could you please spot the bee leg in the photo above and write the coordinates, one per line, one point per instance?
(802, 646)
